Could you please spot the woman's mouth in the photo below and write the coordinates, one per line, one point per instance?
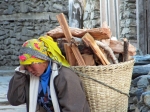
(34, 74)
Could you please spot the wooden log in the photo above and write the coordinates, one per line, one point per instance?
(89, 40)
(96, 33)
(68, 35)
(117, 47)
(126, 47)
(109, 51)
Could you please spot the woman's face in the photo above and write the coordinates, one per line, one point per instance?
(37, 69)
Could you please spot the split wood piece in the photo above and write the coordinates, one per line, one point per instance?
(89, 59)
(89, 41)
(109, 50)
(96, 33)
(125, 53)
(69, 54)
(63, 23)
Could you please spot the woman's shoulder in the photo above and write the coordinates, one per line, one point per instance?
(64, 69)
(66, 72)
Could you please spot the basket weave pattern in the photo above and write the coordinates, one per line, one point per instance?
(102, 98)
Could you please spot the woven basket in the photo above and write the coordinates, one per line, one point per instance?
(101, 97)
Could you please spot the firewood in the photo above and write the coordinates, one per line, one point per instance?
(69, 55)
(117, 47)
(106, 41)
(85, 50)
(89, 60)
(96, 33)
(109, 50)
(63, 23)
(89, 40)
(125, 53)
(120, 58)
(81, 46)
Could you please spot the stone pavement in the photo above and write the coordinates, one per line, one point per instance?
(5, 75)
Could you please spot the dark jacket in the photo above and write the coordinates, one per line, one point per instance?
(68, 87)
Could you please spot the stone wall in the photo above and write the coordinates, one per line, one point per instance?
(128, 27)
(91, 18)
(23, 20)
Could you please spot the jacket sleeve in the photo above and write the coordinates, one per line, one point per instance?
(70, 93)
(16, 91)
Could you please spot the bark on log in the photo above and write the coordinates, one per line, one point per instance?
(109, 51)
(126, 47)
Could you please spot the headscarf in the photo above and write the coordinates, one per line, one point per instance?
(41, 50)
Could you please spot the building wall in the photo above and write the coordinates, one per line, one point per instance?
(127, 12)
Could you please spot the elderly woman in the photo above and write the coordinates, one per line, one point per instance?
(44, 80)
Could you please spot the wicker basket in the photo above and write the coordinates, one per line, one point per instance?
(101, 97)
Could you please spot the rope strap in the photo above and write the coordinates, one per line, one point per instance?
(84, 75)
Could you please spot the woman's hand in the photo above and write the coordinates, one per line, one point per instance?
(22, 67)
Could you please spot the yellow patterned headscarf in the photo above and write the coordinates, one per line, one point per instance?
(44, 45)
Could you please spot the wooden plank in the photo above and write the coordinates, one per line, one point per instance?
(112, 16)
(117, 15)
(109, 13)
(69, 55)
(63, 23)
(148, 26)
(88, 39)
(141, 5)
(103, 11)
